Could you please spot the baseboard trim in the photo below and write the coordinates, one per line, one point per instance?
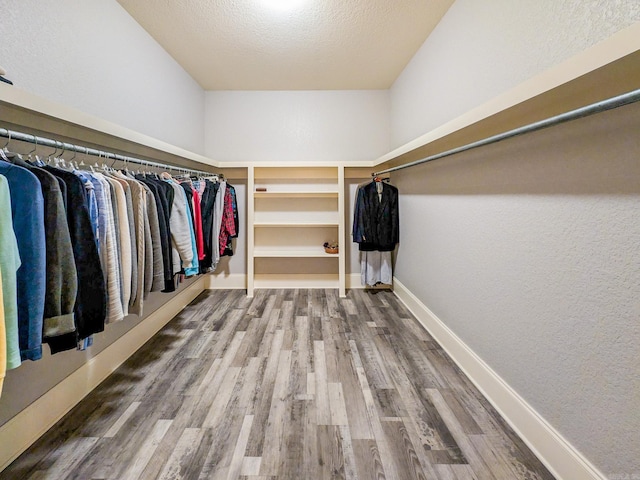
(222, 281)
(353, 281)
(32, 422)
(557, 454)
(238, 281)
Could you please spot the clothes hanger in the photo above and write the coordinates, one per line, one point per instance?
(380, 179)
(73, 164)
(57, 159)
(29, 157)
(4, 151)
(104, 166)
(82, 164)
(68, 164)
(95, 164)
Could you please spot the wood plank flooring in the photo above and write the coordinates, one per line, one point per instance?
(292, 384)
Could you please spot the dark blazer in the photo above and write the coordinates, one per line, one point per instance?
(380, 217)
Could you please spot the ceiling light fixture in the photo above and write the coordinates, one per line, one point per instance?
(283, 4)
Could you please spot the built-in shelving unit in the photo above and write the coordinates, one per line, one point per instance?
(292, 211)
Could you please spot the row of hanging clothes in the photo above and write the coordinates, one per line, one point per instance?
(376, 229)
(81, 247)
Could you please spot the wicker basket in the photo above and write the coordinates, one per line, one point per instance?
(330, 248)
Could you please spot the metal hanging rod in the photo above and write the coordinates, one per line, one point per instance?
(48, 142)
(602, 106)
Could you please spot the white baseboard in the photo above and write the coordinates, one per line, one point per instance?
(557, 454)
(221, 281)
(32, 422)
(238, 281)
(352, 281)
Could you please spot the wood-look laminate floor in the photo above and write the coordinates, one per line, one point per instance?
(292, 384)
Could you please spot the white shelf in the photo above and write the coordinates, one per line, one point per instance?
(302, 219)
(300, 173)
(295, 194)
(294, 224)
(42, 110)
(292, 252)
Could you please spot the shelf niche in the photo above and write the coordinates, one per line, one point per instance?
(293, 210)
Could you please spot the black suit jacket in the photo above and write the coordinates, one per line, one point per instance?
(380, 217)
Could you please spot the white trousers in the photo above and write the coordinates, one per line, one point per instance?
(375, 267)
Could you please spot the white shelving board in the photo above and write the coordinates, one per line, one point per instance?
(293, 252)
(292, 219)
(295, 194)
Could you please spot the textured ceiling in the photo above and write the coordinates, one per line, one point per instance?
(318, 45)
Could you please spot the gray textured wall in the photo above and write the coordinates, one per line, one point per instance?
(529, 250)
(483, 48)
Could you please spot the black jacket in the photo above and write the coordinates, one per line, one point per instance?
(379, 217)
(91, 302)
(206, 207)
(163, 194)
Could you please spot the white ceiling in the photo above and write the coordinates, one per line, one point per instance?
(318, 45)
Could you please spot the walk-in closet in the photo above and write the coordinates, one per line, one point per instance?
(308, 239)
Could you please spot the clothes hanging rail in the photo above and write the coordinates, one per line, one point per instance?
(602, 106)
(69, 147)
